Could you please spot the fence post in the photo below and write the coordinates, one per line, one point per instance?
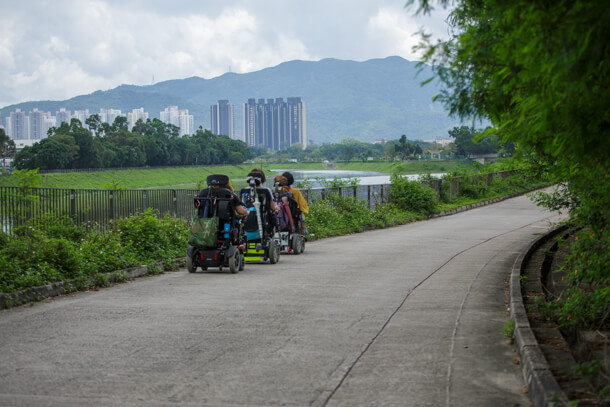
(175, 196)
(455, 187)
(73, 204)
(144, 200)
(368, 195)
(111, 204)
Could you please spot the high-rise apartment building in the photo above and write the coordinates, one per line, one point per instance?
(18, 127)
(275, 124)
(40, 123)
(7, 126)
(221, 115)
(63, 116)
(179, 118)
(82, 115)
(108, 115)
(48, 123)
(186, 122)
(169, 115)
(135, 115)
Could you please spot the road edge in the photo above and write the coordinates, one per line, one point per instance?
(542, 385)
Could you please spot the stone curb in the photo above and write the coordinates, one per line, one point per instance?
(477, 205)
(543, 388)
(66, 287)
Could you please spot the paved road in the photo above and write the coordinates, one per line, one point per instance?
(407, 316)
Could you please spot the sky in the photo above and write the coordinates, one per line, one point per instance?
(55, 50)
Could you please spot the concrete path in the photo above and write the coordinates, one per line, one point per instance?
(407, 316)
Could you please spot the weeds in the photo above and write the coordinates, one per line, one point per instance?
(509, 330)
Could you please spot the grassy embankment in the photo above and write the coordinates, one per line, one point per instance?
(189, 177)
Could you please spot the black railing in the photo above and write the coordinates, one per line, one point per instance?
(96, 208)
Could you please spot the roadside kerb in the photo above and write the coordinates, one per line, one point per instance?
(39, 293)
(543, 388)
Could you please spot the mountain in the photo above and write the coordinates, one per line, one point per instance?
(370, 100)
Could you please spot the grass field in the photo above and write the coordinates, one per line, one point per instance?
(189, 177)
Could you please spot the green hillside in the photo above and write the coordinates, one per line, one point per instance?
(370, 100)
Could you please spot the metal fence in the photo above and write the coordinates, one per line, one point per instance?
(93, 208)
(96, 208)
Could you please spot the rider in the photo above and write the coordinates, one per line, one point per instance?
(285, 182)
(268, 194)
(214, 184)
(296, 193)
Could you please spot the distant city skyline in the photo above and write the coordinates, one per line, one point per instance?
(274, 123)
(35, 125)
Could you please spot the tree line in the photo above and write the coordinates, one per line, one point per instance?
(149, 143)
(155, 143)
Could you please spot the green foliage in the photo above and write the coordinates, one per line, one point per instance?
(150, 143)
(586, 302)
(472, 186)
(587, 369)
(342, 215)
(305, 183)
(337, 182)
(469, 141)
(115, 184)
(60, 251)
(23, 196)
(151, 237)
(412, 196)
(508, 330)
(548, 95)
(7, 147)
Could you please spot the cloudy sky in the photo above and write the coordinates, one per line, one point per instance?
(55, 50)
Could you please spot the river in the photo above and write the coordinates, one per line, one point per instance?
(364, 177)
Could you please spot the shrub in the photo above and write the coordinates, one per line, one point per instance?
(585, 303)
(412, 196)
(472, 186)
(338, 215)
(62, 251)
(104, 253)
(152, 238)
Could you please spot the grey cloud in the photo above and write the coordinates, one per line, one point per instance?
(57, 50)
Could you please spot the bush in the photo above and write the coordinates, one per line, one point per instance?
(412, 196)
(338, 215)
(152, 238)
(61, 251)
(585, 304)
